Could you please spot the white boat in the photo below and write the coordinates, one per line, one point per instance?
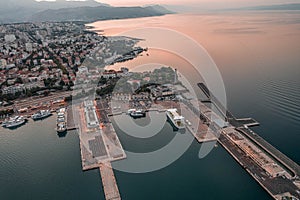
(61, 127)
(138, 113)
(41, 114)
(61, 123)
(15, 122)
(131, 111)
(4, 124)
(176, 119)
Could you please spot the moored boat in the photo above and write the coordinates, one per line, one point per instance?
(176, 119)
(61, 123)
(136, 113)
(42, 114)
(15, 122)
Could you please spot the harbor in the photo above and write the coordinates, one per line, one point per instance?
(100, 145)
(207, 120)
(276, 173)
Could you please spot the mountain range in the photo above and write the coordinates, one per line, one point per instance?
(13, 11)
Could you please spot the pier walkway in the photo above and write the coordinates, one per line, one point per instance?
(109, 182)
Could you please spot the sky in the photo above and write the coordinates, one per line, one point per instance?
(205, 4)
(219, 3)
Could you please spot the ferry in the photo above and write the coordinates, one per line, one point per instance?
(176, 119)
(42, 114)
(14, 122)
(61, 123)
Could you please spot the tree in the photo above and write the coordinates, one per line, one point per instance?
(19, 80)
(62, 83)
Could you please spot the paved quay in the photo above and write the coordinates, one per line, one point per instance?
(273, 170)
(71, 125)
(200, 130)
(99, 143)
(109, 182)
(282, 158)
(277, 187)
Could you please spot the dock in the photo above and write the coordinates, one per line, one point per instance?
(200, 130)
(249, 122)
(109, 182)
(70, 122)
(274, 171)
(99, 143)
(275, 153)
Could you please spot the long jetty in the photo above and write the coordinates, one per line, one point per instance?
(284, 181)
(243, 124)
(110, 187)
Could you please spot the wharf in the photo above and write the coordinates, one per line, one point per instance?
(201, 131)
(273, 170)
(70, 119)
(277, 187)
(109, 182)
(279, 156)
(249, 122)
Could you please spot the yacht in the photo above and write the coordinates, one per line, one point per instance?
(176, 119)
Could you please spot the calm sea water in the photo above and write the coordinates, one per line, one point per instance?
(257, 55)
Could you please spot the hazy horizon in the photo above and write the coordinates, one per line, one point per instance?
(204, 4)
(201, 3)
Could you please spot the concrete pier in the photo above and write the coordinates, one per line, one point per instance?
(109, 182)
(71, 121)
(200, 131)
(273, 170)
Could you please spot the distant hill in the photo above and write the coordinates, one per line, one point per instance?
(292, 6)
(21, 10)
(12, 11)
(160, 9)
(97, 13)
